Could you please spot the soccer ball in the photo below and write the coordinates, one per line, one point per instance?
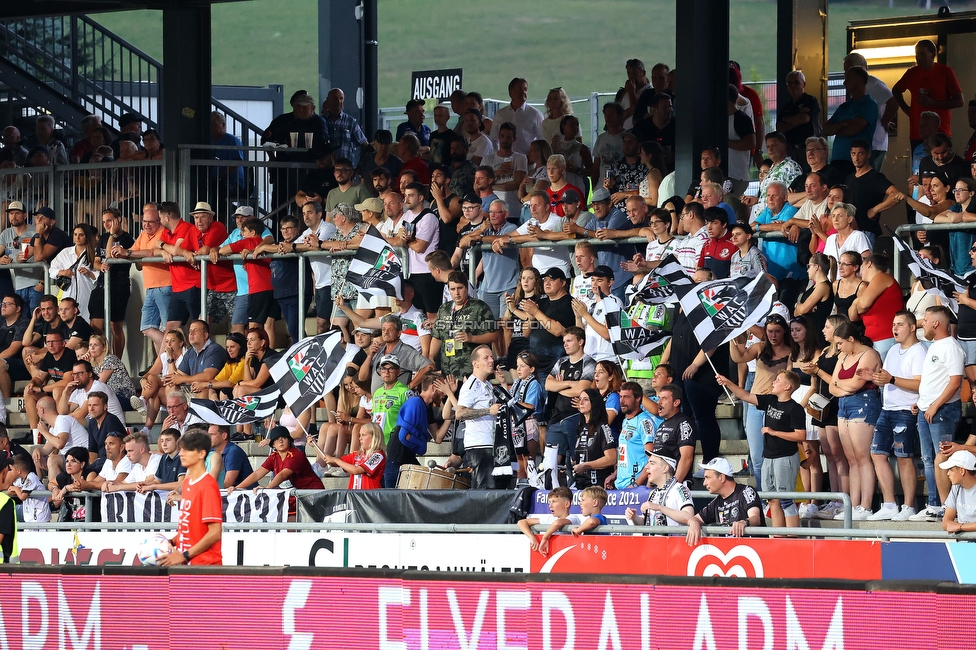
(153, 549)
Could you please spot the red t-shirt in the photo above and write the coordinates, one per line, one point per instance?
(302, 477)
(220, 276)
(374, 466)
(416, 165)
(258, 270)
(721, 249)
(201, 504)
(940, 84)
(187, 237)
(555, 198)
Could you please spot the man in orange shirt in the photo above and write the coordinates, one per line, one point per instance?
(155, 277)
(198, 530)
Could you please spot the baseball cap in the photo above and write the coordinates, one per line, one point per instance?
(16, 205)
(602, 271)
(390, 360)
(366, 330)
(471, 198)
(45, 212)
(296, 95)
(413, 103)
(475, 111)
(667, 459)
(244, 210)
(962, 458)
(555, 273)
(278, 432)
(372, 204)
(570, 196)
(297, 99)
(600, 194)
(720, 465)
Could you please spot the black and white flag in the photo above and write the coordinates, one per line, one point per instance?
(720, 310)
(937, 282)
(241, 410)
(310, 369)
(659, 285)
(376, 270)
(630, 339)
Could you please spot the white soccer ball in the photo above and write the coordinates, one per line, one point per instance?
(153, 549)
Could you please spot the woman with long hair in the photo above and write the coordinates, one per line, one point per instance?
(848, 285)
(771, 355)
(335, 434)
(817, 301)
(822, 371)
(109, 369)
(75, 267)
(595, 456)
(514, 338)
(809, 342)
(72, 479)
(365, 465)
(222, 386)
(879, 302)
(858, 408)
(557, 107)
(169, 359)
(652, 156)
(963, 211)
(607, 378)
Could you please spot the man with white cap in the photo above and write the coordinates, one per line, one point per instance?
(15, 241)
(734, 505)
(960, 505)
(669, 501)
(221, 283)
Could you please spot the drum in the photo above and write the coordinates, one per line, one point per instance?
(415, 477)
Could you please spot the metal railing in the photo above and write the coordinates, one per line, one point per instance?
(900, 231)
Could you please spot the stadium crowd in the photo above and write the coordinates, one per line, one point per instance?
(846, 368)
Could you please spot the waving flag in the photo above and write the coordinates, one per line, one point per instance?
(241, 410)
(937, 282)
(720, 310)
(658, 286)
(375, 270)
(629, 338)
(309, 369)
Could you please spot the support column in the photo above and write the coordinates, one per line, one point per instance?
(701, 104)
(801, 44)
(347, 56)
(186, 83)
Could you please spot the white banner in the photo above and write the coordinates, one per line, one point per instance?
(242, 506)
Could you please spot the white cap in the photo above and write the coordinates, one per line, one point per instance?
(962, 458)
(720, 465)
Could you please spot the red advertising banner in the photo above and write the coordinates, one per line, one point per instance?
(746, 557)
(265, 609)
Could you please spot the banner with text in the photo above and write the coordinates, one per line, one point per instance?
(431, 84)
(241, 506)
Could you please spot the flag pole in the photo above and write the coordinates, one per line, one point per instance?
(726, 388)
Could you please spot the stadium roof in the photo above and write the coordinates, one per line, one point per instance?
(26, 8)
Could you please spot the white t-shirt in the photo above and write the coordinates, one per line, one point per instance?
(880, 92)
(138, 473)
(688, 249)
(321, 266)
(35, 508)
(476, 394)
(596, 346)
(944, 359)
(546, 520)
(856, 242)
(906, 364)
(963, 501)
(809, 209)
(413, 327)
(77, 434)
(481, 146)
(109, 473)
(582, 289)
(519, 164)
(80, 397)
(547, 257)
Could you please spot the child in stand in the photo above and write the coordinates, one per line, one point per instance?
(26, 481)
(527, 391)
(364, 466)
(560, 499)
(592, 500)
(784, 427)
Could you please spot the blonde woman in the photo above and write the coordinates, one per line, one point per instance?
(365, 466)
(557, 107)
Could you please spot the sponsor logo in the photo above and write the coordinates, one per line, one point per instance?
(741, 562)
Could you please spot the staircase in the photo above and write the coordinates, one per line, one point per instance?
(71, 66)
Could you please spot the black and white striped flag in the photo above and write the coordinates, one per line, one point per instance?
(937, 282)
(658, 286)
(375, 270)
(241, 410)
(630, 340)
(720, 310)
(310, 369)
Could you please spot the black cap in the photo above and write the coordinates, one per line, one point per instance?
(129, 118)
(383, 136)
(45, 211)
(296, 95)
(555, 273)
(476, 112)
(602, 271)
(278, 432)
(570, 196)
(415, 102)
(471, 198)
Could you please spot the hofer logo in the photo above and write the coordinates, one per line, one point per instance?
(709, 561)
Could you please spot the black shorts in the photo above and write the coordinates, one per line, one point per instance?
(428, 294)
(184, 306)
(261, 306)
(16, 368)
(120, 302)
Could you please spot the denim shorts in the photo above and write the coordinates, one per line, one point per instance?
(969, 347)
(860, 407)
(896, 431)
(239, 316)
(155, 309)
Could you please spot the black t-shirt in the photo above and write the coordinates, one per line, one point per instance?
(80, 329)
(785, 416)
(798, 135)
(724, 511)
(673, 434)
(118, 274)
(8, 517)
(565, 370)
(833, 174)
(319, 181)
(15, 332)
(866, 192)
(451, 243)
(561, 310)
(591, 447)
(647, 130)
(57, 238)
(58, 368)
(44, 328)
(97, 434)
(955, 169)
(967, 315)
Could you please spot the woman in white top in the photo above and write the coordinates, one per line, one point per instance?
(174, 346)
(76, 264)
(557, 107)
(846, 238)
(652, 156)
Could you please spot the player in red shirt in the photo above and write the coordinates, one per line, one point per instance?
(365, 466)
(197, 540)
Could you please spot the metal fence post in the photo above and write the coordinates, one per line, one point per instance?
(203, 286)
(594, 116)
(107, 295)
(302, 311)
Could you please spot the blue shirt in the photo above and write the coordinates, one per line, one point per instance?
(234, 458)
(613, 256)
(634, 432)
(422, 133)
(345, 135)
(780, 253)
(864, 107)
(234, 178)
(501, 271)
(211, 356)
